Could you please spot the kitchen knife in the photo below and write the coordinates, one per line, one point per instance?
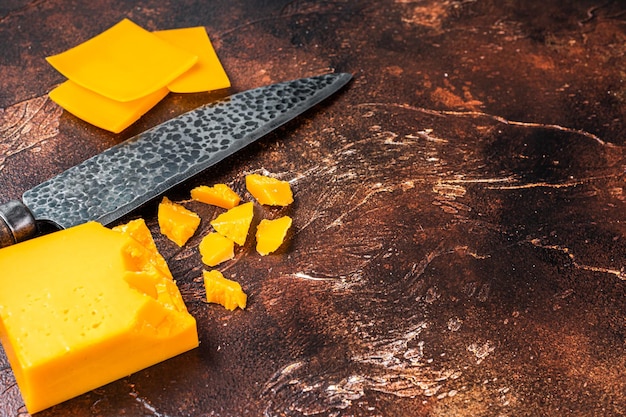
(122, 178)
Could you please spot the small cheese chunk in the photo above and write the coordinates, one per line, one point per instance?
(220, 195)
(216, 249)
(82, 307)
(101, 111)
(177, 222)
(207, 74)
(123, 63)
(223, 291)
(235, 223)
(269, 191)
(270, 234)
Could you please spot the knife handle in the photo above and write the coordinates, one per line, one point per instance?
(17, 223)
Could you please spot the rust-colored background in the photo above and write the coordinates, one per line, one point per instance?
(459, 224)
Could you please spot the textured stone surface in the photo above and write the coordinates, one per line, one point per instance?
(458, 240)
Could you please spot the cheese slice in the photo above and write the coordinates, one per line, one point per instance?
(123, 63)
(101, 111)
(208, 73)
(82, 307)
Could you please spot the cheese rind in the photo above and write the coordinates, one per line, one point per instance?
(82, 307)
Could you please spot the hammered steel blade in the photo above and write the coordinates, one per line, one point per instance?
(126, 176)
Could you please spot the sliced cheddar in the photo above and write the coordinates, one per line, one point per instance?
(177, 222)
(268, 190)
(270, 234)
(82, 307)
(235, 223)
(101, 111)
(216, 249)
(123, 63)
(208, 73)
(220, 195)
(223, 291)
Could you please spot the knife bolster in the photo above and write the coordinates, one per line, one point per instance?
(17, 223)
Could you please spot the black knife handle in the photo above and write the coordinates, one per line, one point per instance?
(17, 223)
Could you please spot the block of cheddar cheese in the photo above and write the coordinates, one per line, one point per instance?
(82, 307)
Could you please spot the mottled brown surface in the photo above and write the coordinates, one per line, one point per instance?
(459, 220)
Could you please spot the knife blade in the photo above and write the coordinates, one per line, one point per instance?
(122, 178)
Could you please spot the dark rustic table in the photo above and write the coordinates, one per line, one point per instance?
(460, 211)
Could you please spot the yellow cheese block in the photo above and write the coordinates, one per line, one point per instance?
(101, 111)
(223, 291)
(123, 63)
(177, 222)
(208, 73)
(268, 190)
(220, 195)
(216, 249)
(235, 223)
(270, 234)
(85, 306)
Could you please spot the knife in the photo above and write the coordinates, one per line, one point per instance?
(124, 177)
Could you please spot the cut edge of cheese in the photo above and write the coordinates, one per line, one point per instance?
(138, 230)
(83, 307)
(207, 74)
(123, 63)
(101, 111)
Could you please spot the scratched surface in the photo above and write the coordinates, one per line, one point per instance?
(459, 236)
